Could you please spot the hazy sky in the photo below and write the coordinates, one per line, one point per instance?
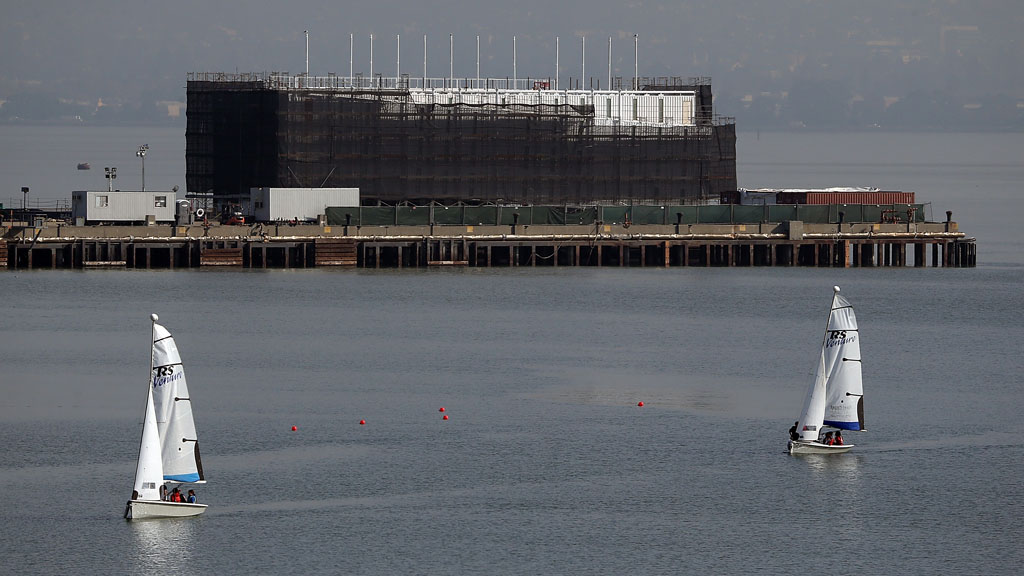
(117, 49)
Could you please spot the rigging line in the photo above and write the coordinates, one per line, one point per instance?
(333, 168)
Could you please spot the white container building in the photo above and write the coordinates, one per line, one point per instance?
(123, 206)
(301, 204)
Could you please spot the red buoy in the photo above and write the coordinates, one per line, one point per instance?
(442, 409)
(639, 403)
(362, 422)
(294, 428)
(445, 417)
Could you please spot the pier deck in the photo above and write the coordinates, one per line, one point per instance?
(308, 246)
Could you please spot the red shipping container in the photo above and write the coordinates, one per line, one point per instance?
(860, 197)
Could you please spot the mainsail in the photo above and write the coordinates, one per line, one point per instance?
(844, 403)
(173, 411)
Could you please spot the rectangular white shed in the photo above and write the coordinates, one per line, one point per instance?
(123, 206)
(302, 204)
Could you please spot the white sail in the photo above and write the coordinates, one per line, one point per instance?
(835, 397)
(173, 409)
(813, 415)
(844, 402)
(149, 473)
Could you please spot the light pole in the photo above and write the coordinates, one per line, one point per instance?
(110, 174)
(142, 154)
(24, 204)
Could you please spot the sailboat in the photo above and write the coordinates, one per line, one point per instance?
(169, 450)
(835, 399)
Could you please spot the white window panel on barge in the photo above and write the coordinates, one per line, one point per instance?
(656, 108)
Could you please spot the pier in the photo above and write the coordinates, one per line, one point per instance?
(789, 243)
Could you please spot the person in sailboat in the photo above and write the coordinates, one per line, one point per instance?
(838, 438)
(793, 435)
(163, 492)
(828, 439)
(191, 497)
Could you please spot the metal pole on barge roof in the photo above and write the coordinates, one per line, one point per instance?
(451, 60)
(351, 44)
(306, 32)
(424, 61)
(609, 62)
(398, 58)
(478, 61)
(636, 65)
(584, 73)
(556, 62)
(371, 60)
(515, 72)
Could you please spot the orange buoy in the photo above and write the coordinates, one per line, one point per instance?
(442, 409)
(362, 422)
(639, 403)
(294, 428)
(445, 417)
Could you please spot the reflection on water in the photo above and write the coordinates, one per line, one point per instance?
(840, 487)
(834, 467)
(164, 546)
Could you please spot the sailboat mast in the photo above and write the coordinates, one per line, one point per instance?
(824, 336)
(152, 339)
(828, 320)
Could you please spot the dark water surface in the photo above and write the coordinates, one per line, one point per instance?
(546, 464)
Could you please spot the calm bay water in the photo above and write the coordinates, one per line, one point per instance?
(546, 464)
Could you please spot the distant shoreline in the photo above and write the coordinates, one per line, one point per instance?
(741, 127)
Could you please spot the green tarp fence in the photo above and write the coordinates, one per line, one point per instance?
(714, 214)
(617, 215)
(336, 216)
(443, 215)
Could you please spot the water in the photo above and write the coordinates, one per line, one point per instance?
(546, 464)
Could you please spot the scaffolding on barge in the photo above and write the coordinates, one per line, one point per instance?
(451, 140)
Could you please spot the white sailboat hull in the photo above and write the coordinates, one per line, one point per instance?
(140, 509)
(803, 447)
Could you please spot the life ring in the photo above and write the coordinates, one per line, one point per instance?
(200, 213)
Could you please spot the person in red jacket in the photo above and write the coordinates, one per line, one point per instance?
(838, 438)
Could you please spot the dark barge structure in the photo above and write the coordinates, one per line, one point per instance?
(457, 141)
